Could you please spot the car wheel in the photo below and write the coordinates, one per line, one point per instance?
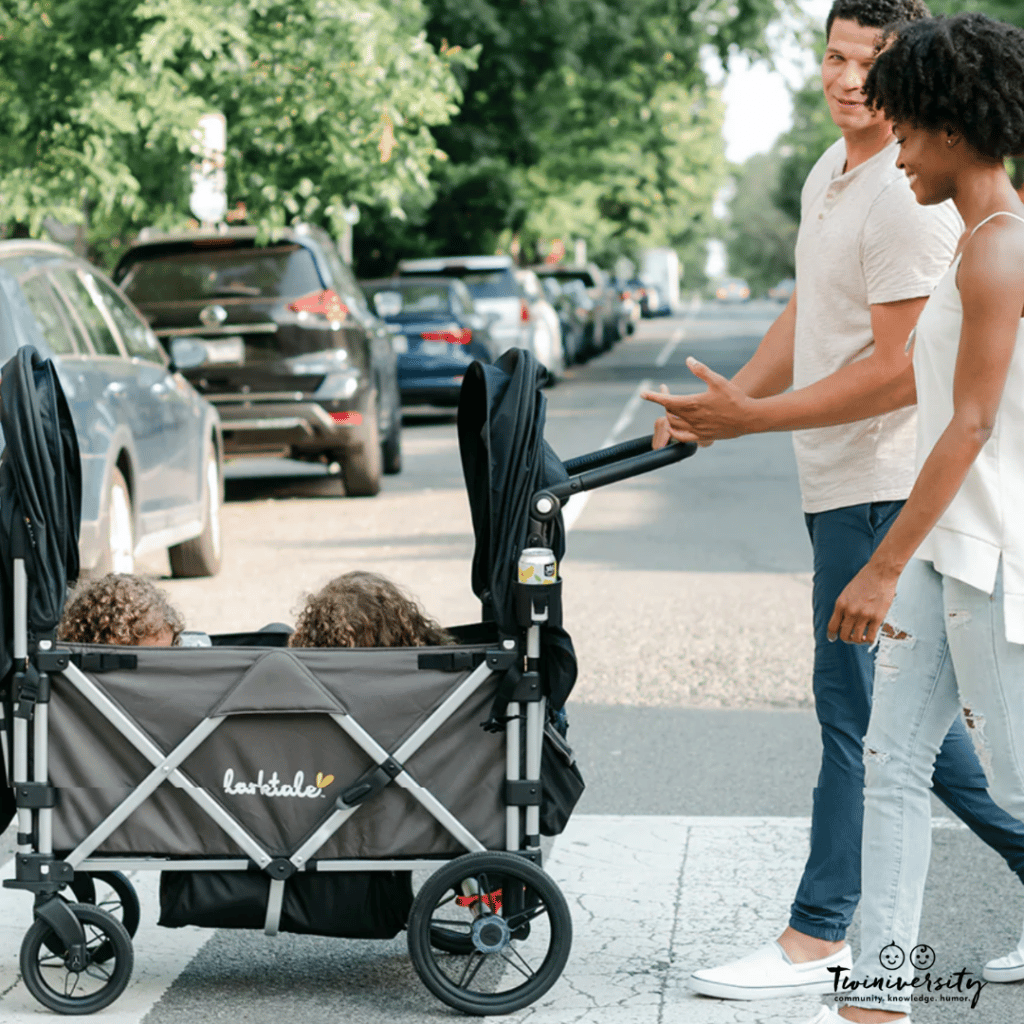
(201, 556)
(391, 450)
(361, 469)
(119, 528)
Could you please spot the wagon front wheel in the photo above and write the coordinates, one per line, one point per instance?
(66, 985)
(489, 933)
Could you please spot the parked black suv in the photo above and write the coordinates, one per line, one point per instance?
(296, 363)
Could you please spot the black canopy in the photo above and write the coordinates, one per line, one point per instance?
(506, 460)
(40, 490)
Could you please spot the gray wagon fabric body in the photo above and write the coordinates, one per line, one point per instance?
(273, 719)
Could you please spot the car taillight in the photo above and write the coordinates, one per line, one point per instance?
(327, 304)
(347, 419)
(524, 311)
(459, 336)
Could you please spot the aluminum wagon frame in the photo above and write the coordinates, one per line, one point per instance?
(488, 932)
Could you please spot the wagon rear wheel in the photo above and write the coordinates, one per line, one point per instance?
(489, 933)
(110, 891)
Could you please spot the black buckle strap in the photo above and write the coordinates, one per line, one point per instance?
(370, 783)
(103, 661)
(450, 661)
(509, 661)
(27, 686)
(34, 795)
(523, 793)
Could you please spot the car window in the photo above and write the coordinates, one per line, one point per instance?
(530, 286)
(422, 298)
(81, 298)
(46, 309)
(582, 276)
(462, 292)
(344, 280)
(284, 271)
(138, 339)
(552, 288)
(491, 284)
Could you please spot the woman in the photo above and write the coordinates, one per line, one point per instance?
(954, 90)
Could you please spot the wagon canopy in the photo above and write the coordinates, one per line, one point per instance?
(40, 486)
(505, 461)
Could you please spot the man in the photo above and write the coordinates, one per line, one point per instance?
(867, 257)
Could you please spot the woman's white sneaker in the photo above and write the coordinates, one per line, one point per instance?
(768, 973)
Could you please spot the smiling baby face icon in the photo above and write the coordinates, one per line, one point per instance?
(891, 957)
(922, 957)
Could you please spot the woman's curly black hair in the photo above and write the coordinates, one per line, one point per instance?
(875, 13)
(964, 73)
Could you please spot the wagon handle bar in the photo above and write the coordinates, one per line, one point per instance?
(609, 465)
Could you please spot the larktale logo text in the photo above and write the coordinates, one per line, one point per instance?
(273, 786)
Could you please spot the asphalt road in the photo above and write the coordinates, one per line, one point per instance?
(687, 594)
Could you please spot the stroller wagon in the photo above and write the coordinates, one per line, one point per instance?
(298, 789)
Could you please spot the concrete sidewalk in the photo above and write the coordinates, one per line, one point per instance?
(655, 898)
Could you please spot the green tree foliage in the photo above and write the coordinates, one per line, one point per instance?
(760, 237)
(327, 102)
(595, 117)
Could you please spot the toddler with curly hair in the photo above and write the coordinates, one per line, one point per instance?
(121, 610)
(365, 609)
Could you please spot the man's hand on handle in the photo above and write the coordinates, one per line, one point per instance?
(719, 412)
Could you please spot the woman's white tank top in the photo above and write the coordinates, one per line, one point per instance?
(985, 521)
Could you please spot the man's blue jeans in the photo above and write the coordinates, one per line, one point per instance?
(843, 540)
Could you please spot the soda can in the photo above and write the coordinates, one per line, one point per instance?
(538, 566)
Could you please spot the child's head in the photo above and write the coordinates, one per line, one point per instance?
(363, 609)
(122, 610)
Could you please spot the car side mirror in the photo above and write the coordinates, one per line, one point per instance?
(187, 354)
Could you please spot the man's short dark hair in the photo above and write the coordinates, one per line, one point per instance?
(964, 73)
(876, 13)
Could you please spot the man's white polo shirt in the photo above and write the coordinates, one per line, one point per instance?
(864, 240)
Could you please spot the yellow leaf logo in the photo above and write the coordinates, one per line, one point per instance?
(525, 573)
(323, 781)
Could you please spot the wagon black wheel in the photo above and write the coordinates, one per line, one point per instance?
(489, 933)
(59, 987)
(110, 891)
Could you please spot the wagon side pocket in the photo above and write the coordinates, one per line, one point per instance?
(560, 780)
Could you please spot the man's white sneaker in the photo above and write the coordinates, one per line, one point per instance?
(1006, 968)
(768, 973)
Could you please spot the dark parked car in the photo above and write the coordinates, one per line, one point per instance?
(646, 296)
(295, 361)
(437, 334)
(150, 446)
(574, 309)
(604, 325)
